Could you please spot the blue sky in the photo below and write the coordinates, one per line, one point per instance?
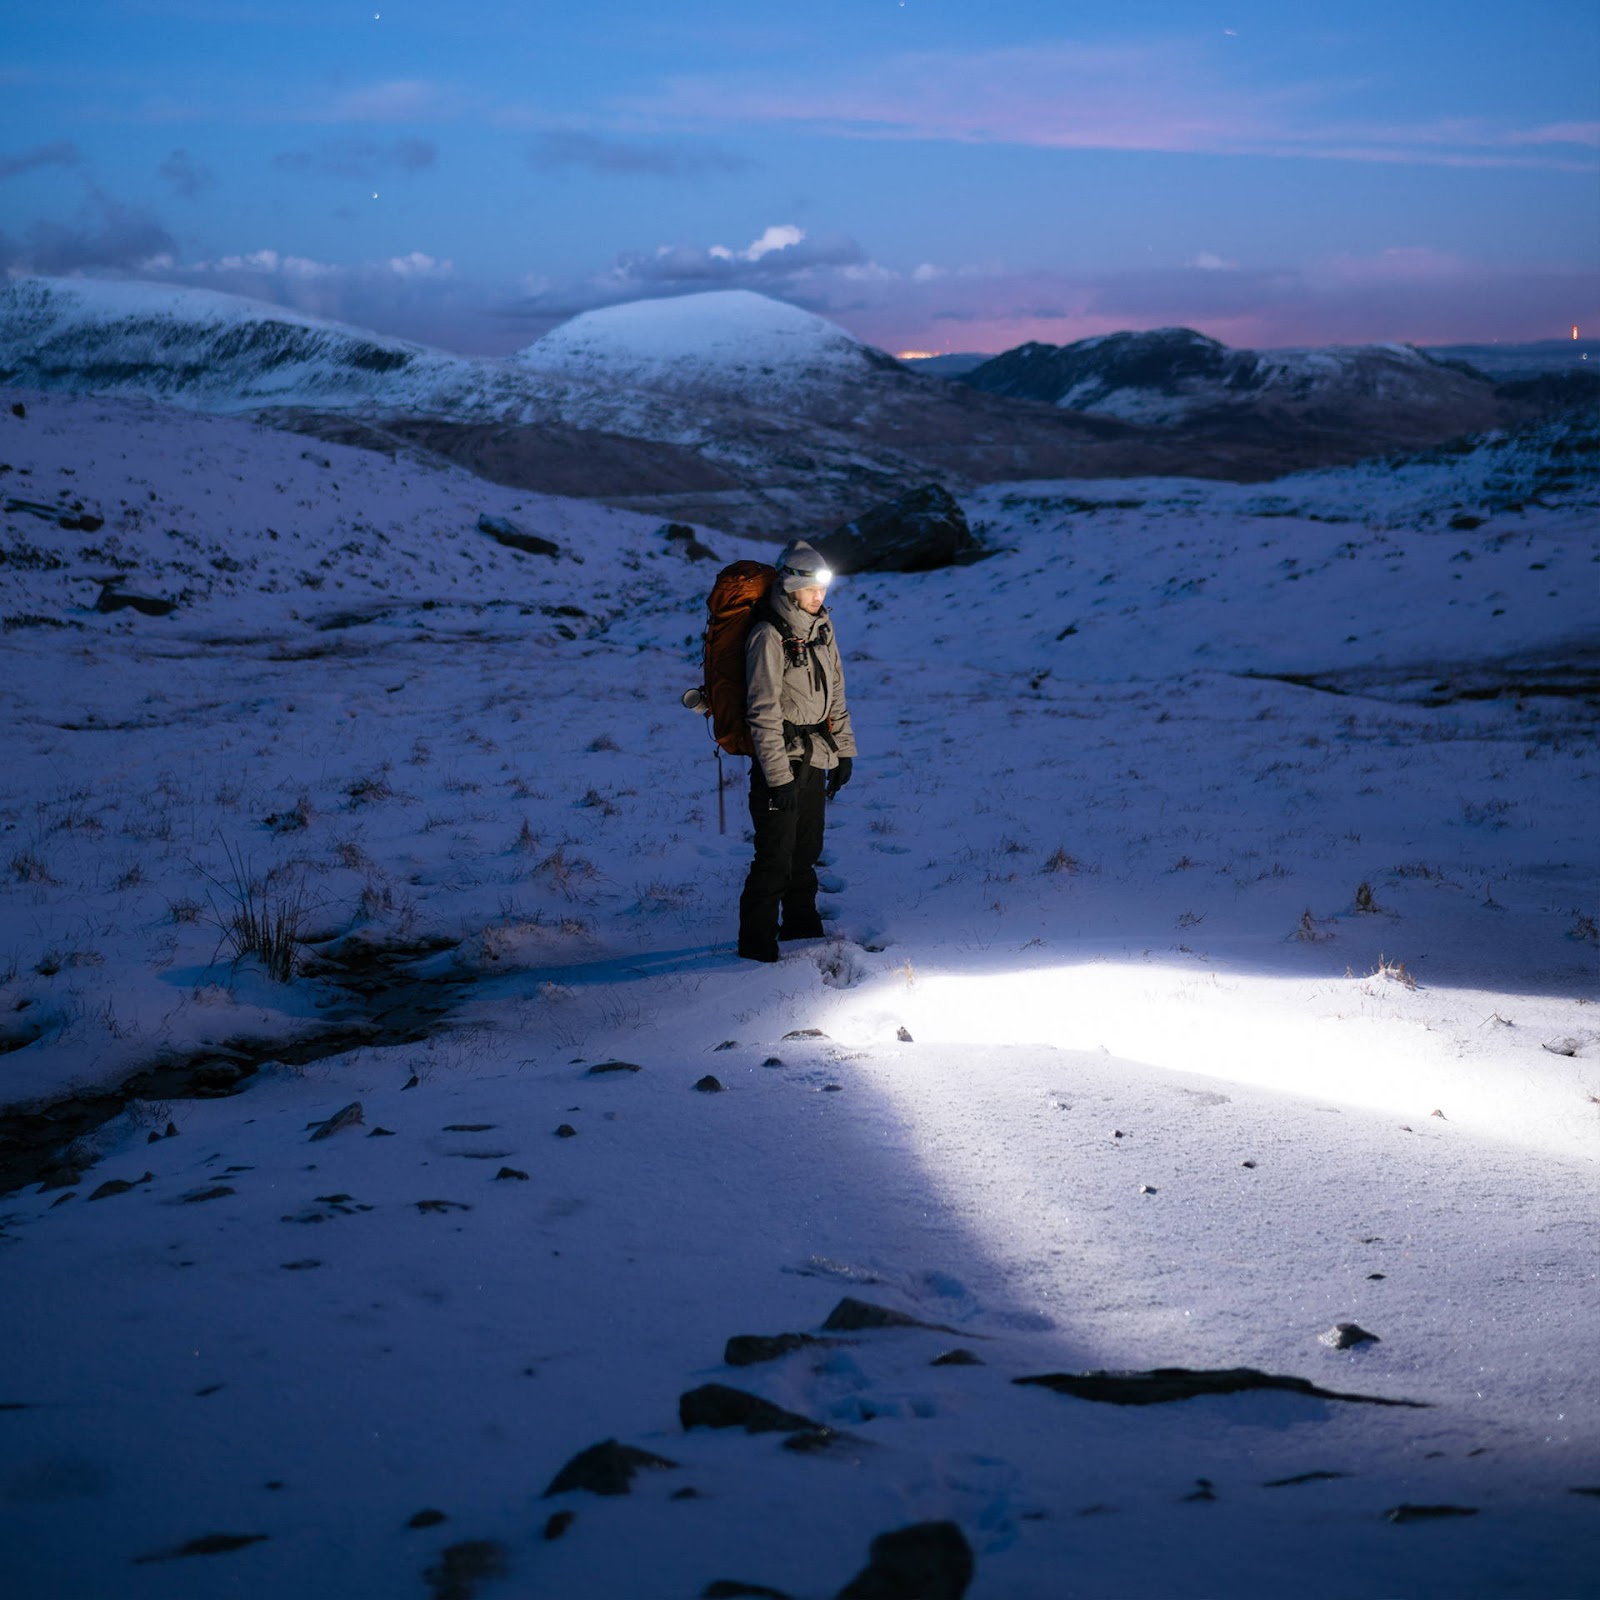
(937, 174)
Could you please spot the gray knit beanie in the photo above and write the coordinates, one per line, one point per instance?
(800, 567)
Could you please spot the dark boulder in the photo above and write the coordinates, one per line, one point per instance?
(927, 1561)
(925, 528)
(716, 1405)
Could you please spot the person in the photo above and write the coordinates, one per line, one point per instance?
(804, 751)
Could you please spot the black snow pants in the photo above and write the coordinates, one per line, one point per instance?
(783, 875)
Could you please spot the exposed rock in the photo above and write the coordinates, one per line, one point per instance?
(426, 1518)
(512, 537)
(927, 1561)
(750, 1349)
(727, 1044)
(604, 1468)
(956, 1358)
(440, 1207)
(1345, 1336)
(512, 1172)
(611, 1066)
(462, 1568)
(111, 1187)
(920, 530)
(687, 541)
(469, 1127)
(1302, 1477)
(1166, 1384)
(566, 1131)
(852, 1315)
(218, 1191)
(1410, 1513)
(348, 1117)
(805, 1033)
(716, 1405)
(208, 1544)
(903, 1035)
(710, 1085)
(114, 598)
(558, 1523)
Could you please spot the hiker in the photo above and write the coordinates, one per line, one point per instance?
(804, 750)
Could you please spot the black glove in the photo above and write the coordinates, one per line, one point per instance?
(784, 797)
(839, 776)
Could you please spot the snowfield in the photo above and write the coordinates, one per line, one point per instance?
(1214, 944)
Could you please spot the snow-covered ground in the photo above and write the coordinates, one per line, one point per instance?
(1207, 971)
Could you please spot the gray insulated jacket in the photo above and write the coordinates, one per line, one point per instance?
(798, 687)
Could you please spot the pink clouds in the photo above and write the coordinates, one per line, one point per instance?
(1172, 97)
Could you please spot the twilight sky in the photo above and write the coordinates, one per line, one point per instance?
(934, 174)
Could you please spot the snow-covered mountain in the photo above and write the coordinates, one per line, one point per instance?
(736, 410)
(224, 353)
(1173, 376)
(731, 344)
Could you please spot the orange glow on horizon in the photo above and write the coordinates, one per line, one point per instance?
(927, 355)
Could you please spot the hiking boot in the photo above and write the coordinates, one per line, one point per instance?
(752, 951)
(804, 925)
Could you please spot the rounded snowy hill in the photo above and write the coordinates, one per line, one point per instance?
(727, 342)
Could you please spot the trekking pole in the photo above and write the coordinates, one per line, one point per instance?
(722, 804)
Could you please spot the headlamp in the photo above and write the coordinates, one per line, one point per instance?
(820, 579)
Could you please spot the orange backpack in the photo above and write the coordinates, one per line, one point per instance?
(739, 589)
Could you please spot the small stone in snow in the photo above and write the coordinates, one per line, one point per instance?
(773, 1061)
(1440, 1115)
(348, 1117)
(558, 1524)
(728, 1044)
(411, 1082)
(709, 1085)
(1346, 1336)
(1147, 1188)
(956, 1358)
(1375, 1277)
(611, 1066)
(605, 1468)
(381, 1133)
(511, 1172)
(904, 1035)
(805, 1033)
(1247, 1164)
(566, 1131)
(426, 1518)
(110, 1187)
